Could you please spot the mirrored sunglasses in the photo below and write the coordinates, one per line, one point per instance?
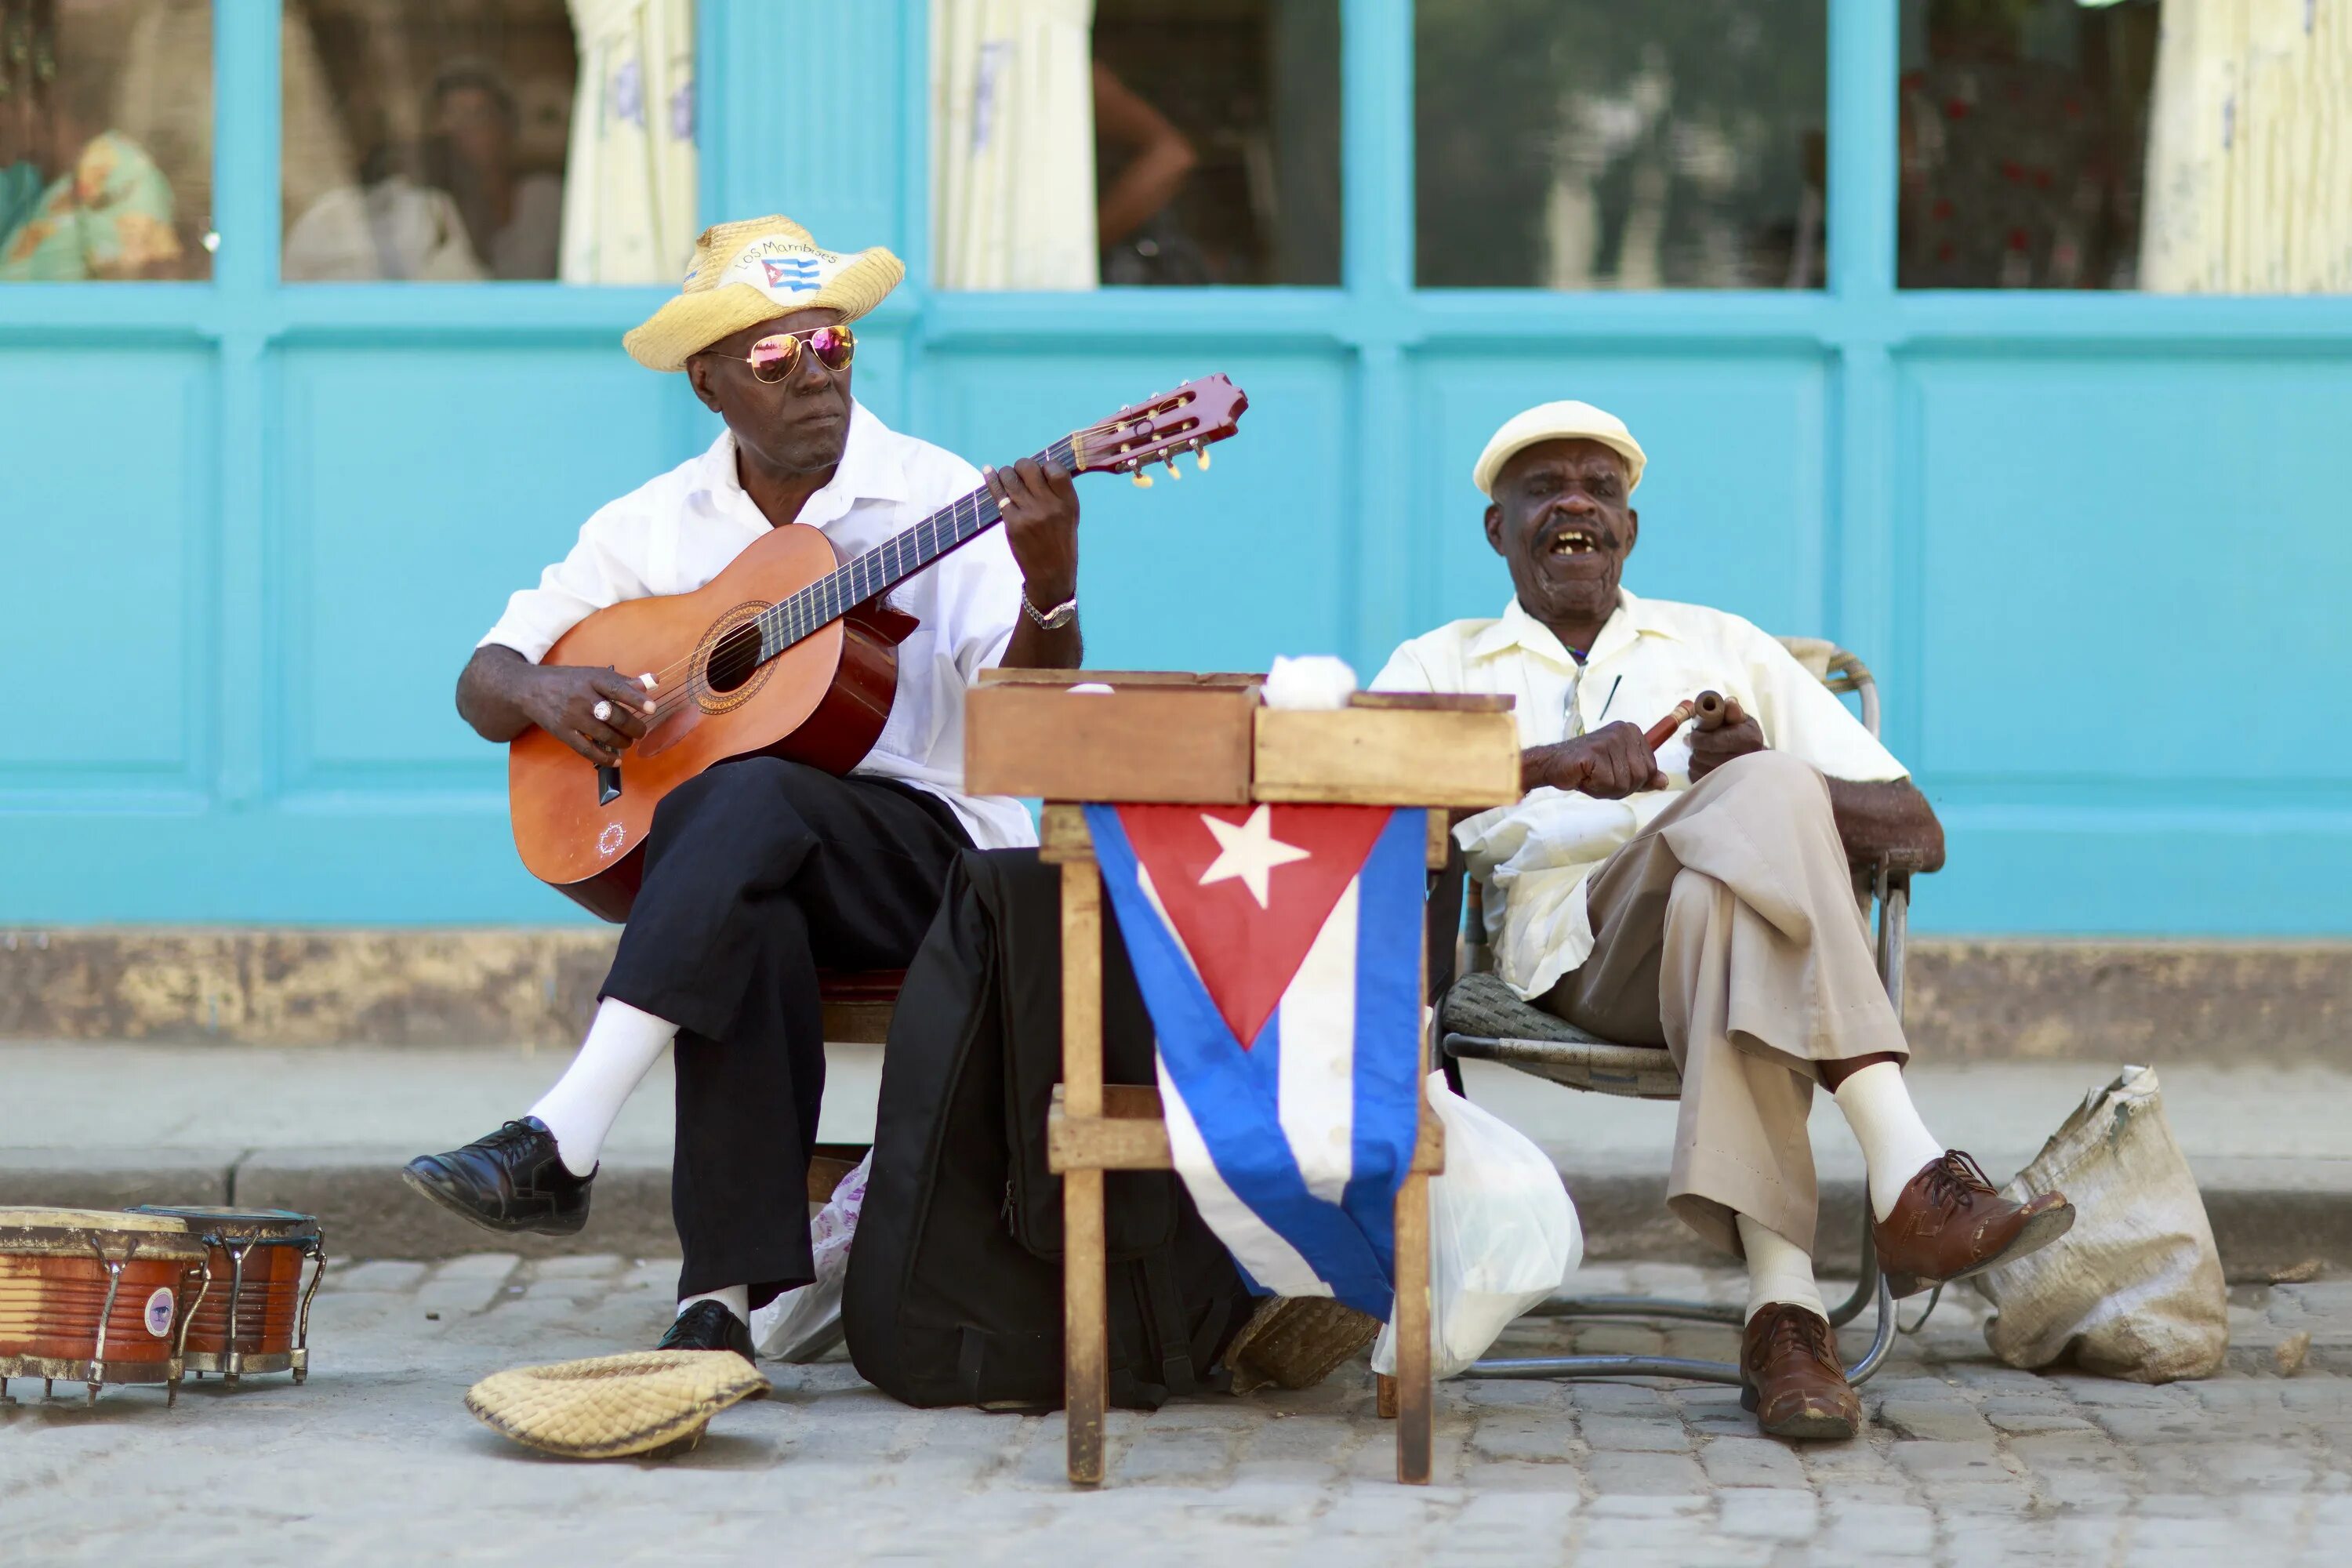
(772, 359)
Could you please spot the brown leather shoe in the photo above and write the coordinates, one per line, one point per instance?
(1949, 1223)
(1794, 1383)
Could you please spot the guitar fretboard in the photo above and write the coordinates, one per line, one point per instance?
(885, 565)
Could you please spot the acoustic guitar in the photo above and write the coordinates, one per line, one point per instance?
(790, 652)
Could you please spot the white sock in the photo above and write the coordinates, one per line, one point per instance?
(622, 1044)
(1778, 1270)
(1894, 1142)
(736, 1299)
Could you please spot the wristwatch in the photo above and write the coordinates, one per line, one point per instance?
(1052, 620)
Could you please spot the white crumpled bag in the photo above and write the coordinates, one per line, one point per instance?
(802, 1324)
(1502, 1235)
(2135, 1289)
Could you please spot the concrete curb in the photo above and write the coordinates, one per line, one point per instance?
(2270, 1217)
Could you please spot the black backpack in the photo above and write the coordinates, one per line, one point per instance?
(954, 1294)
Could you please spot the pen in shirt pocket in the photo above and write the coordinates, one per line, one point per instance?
(1608, 699)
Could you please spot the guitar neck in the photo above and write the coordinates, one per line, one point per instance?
(887, 564)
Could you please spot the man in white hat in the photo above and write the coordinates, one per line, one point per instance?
(760, 872)
(1699, 896)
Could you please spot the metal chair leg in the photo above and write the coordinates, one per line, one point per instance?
(1871, 1288)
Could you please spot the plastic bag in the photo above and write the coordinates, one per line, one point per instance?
(2134, 1290)
(1502, 1235)
(802, 1324)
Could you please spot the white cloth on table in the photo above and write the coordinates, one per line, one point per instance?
(1537, 854)
(678, 531)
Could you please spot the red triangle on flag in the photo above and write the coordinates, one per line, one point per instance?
(1210, 864)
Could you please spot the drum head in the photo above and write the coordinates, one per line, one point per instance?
(115, 1234)
(234, 1224)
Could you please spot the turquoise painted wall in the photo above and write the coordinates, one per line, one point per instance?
(2093, 544)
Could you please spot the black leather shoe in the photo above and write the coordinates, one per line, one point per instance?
(707, 1326)
(511, 1181)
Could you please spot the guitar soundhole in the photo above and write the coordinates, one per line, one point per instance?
(734, 659)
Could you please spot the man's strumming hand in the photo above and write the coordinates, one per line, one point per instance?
(1609, 764)
(562, 699)
(1736, 737)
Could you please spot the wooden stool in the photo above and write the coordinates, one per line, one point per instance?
(1182, 739)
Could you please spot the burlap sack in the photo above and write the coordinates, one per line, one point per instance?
(2134, 1290)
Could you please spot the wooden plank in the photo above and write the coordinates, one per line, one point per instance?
(1434, 701)
(1415, 1396)
(1106, 1143)
(1062, 834)
(1180, 744)
(1086, 1369)
(1062, 680)
(1441, 837)
(1384, 1395)
(1082, 990)
(1086, 1329)
(1378, 756)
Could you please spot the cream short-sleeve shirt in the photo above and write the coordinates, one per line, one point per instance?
(1536, 857)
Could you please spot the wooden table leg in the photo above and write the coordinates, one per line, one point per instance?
(1087, 1368)
(1085, 1387)
(1415, 1396)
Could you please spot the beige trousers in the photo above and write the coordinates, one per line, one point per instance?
(1728, 932)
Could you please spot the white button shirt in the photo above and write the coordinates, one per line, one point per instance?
(678, 531)
(1651, 654)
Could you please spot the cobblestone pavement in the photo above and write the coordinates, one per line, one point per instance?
(1965, 1461)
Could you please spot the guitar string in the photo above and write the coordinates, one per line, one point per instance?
(675, 697)
(800, 615)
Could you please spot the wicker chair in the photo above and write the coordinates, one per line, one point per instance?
(1482, 1019)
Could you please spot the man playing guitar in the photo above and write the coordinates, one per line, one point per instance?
(759, 871)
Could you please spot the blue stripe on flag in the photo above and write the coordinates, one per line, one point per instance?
(1243, 1131)
(1388, 1009)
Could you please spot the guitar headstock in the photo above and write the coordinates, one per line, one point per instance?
(1155, 430)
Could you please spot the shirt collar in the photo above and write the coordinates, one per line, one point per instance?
(1631, 620)
(868, 470)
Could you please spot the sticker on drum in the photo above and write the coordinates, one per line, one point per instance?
(159, 1312)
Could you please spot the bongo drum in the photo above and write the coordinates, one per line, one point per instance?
(94, 1296)
(257, 1316)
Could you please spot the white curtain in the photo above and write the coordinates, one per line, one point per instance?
(629, 179)
(2250, 149)
(1013, 153)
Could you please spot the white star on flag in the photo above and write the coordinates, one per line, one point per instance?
(1250, 851)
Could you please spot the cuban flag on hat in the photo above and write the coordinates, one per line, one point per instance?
(782, 268)
(1278, 950)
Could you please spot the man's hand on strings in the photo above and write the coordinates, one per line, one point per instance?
(1736, 737)
(564, 700)
(1609, 764)
(1040, 506)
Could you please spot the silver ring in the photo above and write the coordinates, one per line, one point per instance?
(601, 713)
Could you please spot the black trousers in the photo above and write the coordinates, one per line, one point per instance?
(759, 873)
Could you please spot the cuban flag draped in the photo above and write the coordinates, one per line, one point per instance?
(1278, 950)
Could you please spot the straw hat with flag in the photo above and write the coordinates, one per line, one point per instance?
(753, 272)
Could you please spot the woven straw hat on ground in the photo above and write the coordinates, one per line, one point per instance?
(749, 272)
(610, 1406)
(1296, 1342)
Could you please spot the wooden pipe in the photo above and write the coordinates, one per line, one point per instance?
(1709, 708)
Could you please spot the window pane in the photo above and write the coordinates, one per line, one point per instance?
(2024, 122)
(425, 140)
(1593, 144)
(1208, 140)
(106, 140)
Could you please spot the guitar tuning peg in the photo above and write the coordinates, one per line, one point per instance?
(1142, 480)
(1174, 471)
(1200, 456)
